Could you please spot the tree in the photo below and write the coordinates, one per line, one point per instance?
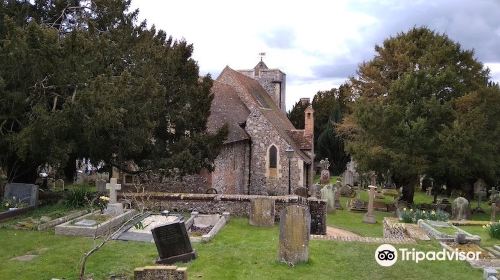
(84, 79)
(296, 114)
(405, 118)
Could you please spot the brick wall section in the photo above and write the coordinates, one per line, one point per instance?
(160, 272)
(317, 207)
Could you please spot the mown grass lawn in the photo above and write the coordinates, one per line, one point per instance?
(240, 251)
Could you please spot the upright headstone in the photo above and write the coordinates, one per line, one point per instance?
(493, 211)
(313, 190)
(25, 193)
(100, 185)
(172, 243)
(295, 223)
(336, 196)
(369, 217)
(460, 209)
(262, 211)
(328, 195)
(348, 179)
(317, 208)
(114, 208)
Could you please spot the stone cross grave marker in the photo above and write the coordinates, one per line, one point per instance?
(480, 192)
(369, 218)
(112, 186)
(295, 227)
(173, 244)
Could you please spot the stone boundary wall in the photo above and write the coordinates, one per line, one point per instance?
(160, 272)
(237, 205)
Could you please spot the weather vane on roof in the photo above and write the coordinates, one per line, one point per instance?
(262, 54)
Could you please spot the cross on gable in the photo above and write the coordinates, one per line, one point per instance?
(112, 186)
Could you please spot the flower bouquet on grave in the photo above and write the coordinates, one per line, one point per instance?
(102, 203)
(13, 204)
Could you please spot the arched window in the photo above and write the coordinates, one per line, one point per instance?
(273, 157)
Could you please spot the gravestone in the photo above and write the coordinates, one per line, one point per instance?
(317, 209)
(347, 191)
(358, 205)
(348, 178)
(295, 223)
(328, 195)
(262, 211)
(301, 191)
(114, 208)
(26, 193)
(369, 218)
(100, 185)
(325, 172)
(460, 209)
(313, 190)
(479, 192)
(173, 244)
(493, 212)
(336, 195)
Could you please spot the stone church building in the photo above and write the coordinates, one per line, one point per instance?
(262, 147)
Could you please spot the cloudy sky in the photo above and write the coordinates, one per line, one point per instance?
(318, 44)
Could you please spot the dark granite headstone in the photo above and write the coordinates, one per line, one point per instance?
(173, 244)
(27, 193)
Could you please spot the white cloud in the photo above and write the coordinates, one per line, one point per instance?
(314, 42)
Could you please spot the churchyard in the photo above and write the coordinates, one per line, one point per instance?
(50, 240)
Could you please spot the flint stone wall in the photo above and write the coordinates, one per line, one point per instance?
(237, 205)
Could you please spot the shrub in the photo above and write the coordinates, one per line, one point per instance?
(493, 230)
(79, 197)
(412, 216)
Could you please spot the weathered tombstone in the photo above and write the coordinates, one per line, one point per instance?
(347, 191)
(262, 211)
(317, 209)
(460, 209)
(369, 218)
(336, 196)
(328, 195)
(494, 198)
(479, 192)
(428, 191)
(295, 223)
(172, 243)
(25, 193)
(313, 190)
(348, 178)
(358, 205)
(114, 208)
(325, 172)
(100, 185)
(301, 191)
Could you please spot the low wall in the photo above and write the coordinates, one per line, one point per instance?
(236, 205)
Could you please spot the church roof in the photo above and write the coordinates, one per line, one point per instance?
(227, 108)
(305, 143)
(253, 96)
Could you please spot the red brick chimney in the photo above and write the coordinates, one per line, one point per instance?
(309, 121)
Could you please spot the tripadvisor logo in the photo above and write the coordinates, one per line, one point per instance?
(387, 255)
